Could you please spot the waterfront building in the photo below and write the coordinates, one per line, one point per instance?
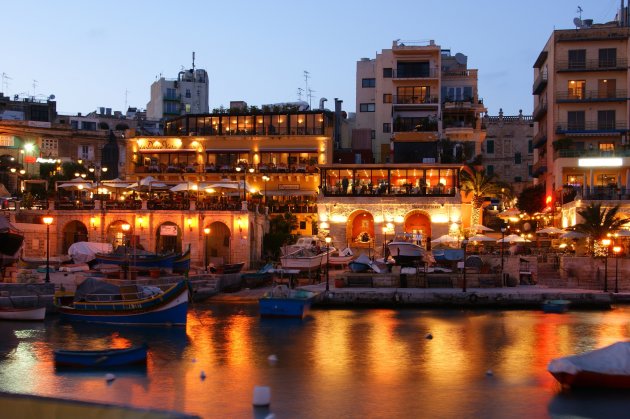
(187, 94)
(508, 150)
(581, 115)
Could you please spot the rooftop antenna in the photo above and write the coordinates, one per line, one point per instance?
(309, 95)
(579, 10)
(5, 84)
(307, 75)
(126, 93)
(193, 61)
(35, 83)
(299, 93)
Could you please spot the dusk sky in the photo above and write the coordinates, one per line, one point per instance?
(108, 53)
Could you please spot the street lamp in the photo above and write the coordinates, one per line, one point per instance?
(328, 240)
(503, 229)
(606, 244)
(206, 232)
(96, 172)
(265, 179)
(616, 251)
(464, 245)
(48, 221)
(125, 228)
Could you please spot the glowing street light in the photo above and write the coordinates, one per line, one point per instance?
(48, 220)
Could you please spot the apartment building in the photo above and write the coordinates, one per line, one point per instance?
(187, 94)
(581, 116)
(419, 104)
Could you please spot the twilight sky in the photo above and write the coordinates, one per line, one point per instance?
(107, 53)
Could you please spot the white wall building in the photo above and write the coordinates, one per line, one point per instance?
(188, 94)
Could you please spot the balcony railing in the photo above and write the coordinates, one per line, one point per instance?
(415, 100)
(593, 127)
(540, 140)
(539, 167)
(540, 83)
(539, 111)
(173, 98)
(430, 73)
(571, 153)
(228, 168)
(592, 96)
(403, 191)
(596, 193)
(592, 65)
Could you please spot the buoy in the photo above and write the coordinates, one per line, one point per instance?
(110, 377)
(272, 359)
(202, 375)
(429, 336)
(262, 396)
(489, 373)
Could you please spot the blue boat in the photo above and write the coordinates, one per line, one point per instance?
(108, 358)
(141, 259)
(556, 306)
(96, 301)
(181, 264)
(284, 302)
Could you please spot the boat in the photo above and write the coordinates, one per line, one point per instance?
(98, 301)
(282, 301)
(228, 268)
(340, 257)
(363, 264)
(607, 367)
(107, 358)
(556, 306)
(181, 264)
(24, 314)
(11, 239)
(308, 243)
(304, 260)
(139, 259)
(405, 250)
(256, 279)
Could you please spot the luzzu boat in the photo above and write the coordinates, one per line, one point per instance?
(284, 302)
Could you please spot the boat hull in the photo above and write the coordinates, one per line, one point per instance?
(23, 314)
(167, 309)
(556, 306)
(284, 307)
(101, 359)
(166, 261)
(405, 253)
(588, 379)
(302, 263)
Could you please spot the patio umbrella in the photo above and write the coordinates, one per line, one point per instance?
(76, 185)
(509, 213)
(445, 239)
(623, 233)
(183, 187)
(573, 235)
(551, 230)
(480, 227)
(512, 238)
(480, 238)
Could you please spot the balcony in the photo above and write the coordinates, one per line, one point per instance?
(539, 111)
(596, 193)
(172, 98)
(591, 96)
(430, 73)
(591, 127)
(620, 64)
(415, 100)
(540, 140)
(539, 167)
(539, 84)
(576, 153)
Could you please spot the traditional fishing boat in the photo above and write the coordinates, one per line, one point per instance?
(341, 257)
(556, 306)
(607, 367)
(98, 301)
(23, 314)
(107, 358)
(406, 249)
(141, 259)
(282, 301)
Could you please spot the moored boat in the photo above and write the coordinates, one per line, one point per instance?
(607, 367)
(556, 306)
(107, 358)
(303, 260)
(23, 314)
(99, 302)
(282, 301)
(406, 252)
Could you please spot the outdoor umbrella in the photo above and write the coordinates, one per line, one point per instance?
(551, 230)
(509, 213)
(573, 235)
(480, 227)
(445, 239)
(623, 233)
(512, 238)
(183, 187)
(480, 238)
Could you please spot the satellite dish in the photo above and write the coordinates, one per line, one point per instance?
(577, 22)
(461, 58)
(51, 97)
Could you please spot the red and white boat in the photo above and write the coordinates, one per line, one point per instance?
(27, 314)
(607, 367)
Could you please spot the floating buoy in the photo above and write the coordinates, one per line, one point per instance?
(262, 396)
(272, 359)
(489, 373)
(429, 336)
(202, 376)
(110, 377)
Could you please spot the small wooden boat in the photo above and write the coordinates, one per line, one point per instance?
(256, 279)
(230, 268)
(181, 264)
(122, 305)
(108, 358)
(340, 258)
(282, 301)
(23, 314)
(607, 367)
(556, 306)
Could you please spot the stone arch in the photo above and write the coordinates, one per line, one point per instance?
(418, 222)
(74, 231)
(115, 233)
(219, 241)
(103, 125)
(360, 228)
(168, 238)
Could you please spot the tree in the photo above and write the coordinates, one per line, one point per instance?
(598, 221)
(280, 233)
(532, 199)
(481, 185)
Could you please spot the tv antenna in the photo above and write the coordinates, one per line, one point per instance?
(299, 93)
(579, 10)
(578, 22)
(309, 96)
(35, 84)
(5, 83)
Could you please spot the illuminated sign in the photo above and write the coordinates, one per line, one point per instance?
(601, 162)
(43, 160)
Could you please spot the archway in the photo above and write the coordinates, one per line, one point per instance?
(168, 238)
(115, 233)
(74, 231)
(219, 241)
(419, 223)
(361, 229)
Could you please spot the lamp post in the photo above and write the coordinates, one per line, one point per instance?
(48, 221)
(206, 232)
(606, 244)
(125, 228)
(328, 240)
(265, 179)
(616, 251)
(464, 245)
(96, 172)
(503, 229)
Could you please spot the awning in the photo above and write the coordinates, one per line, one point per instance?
(288, 150)
(167, 150)
(289, 192)
(227, 150)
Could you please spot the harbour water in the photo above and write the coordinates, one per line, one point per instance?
(376, 363)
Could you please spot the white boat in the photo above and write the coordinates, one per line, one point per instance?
(406, 251)
(341, 257)
(27, 314)
(304, 260)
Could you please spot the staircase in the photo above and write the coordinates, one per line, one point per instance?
(549, 275)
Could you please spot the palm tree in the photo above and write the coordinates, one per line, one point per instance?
(481, 185)
(599, 222)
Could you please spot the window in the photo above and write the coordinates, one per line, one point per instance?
(88, 126)
(517, 158)
(302, 225)
(577, 58)
(607, 57)
(387, 127)
(368, 83)
(607, 147)
(387, 73)
(490, 170)
(171, 108)
(530, 146)
(171, 93)
(530, 170)
(367, 107)
(605, 120)
(188, 93)
(74, 124)
(413, 94)
(387, 98)
(576, 120)
(50, 146)
(85, 152)
(577, 89)
(518, 179)
(405, 69)
(606, 88)
(373, 135)
(490, 146)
